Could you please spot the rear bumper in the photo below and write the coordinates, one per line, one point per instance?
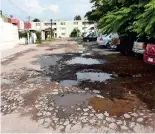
(150, 59)
(138, 51)
(101, 43)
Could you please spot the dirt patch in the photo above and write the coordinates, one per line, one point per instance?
(15, 56)
(115, 107)
(31, 97)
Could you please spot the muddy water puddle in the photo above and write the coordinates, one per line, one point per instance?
(115, 107)
(72, 99)
(69, 83)
(84, 61)
(93, 76)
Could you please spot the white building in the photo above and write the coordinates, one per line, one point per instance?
(63, 28)
(9, 37)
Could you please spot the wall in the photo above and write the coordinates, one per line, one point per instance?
(9, 37)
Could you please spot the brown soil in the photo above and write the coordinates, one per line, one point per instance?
(115, 107)
(133, 75)
(15, 56)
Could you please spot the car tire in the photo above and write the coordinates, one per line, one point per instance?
(108, 45)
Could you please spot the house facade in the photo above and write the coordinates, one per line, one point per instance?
(62, 28)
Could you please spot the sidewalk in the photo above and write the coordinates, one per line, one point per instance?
(20, 48)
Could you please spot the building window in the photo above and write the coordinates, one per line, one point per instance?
(47, 24)
(63, 34)
(75, 23)
(37, 24)
(63, 28)
(84, 28)
(62, 23)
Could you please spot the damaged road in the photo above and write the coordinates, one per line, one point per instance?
(70, 86)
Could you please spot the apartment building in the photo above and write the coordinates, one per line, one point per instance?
(62, 28)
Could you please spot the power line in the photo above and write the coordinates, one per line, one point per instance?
(18, 7)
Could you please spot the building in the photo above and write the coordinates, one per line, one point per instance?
(62, 28)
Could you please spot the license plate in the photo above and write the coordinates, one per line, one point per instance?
(150, 59)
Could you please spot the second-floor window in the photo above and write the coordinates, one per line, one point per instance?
(37, 24)
(75, 23)
(63, 28)
(62, 23)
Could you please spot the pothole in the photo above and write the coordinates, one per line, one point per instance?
(115, 107)
(72, 99)
(68, 83)
(93, 76)
(84, 61)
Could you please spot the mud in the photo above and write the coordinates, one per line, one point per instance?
(115, 107)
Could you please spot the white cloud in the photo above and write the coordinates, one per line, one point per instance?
(34, 6)
(54, 8)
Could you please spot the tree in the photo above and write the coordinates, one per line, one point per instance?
(77, 17)
(129, 18)
(36, 20)
(75, 33)
(124, 16)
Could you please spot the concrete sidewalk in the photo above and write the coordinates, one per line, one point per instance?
(20, 48)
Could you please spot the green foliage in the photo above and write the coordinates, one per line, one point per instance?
(75, 33)
(124, 16)
(39, 40)
(23, 34)
(36, 20)
(78, 17)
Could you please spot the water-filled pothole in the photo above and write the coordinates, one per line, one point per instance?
(68, 83)
(93, 76)
(115, 107)
(84, 61)
(72, 99)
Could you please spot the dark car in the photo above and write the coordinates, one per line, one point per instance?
(90, 37)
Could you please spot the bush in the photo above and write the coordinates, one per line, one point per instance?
(38, 34)
(75, 33)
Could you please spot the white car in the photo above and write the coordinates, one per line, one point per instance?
(104, 40)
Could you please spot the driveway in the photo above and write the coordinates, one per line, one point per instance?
(70, 86)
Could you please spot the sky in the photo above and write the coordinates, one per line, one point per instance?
(46, 9)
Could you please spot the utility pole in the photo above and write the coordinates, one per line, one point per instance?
(28, 35)
(51, 28)
(1, 12)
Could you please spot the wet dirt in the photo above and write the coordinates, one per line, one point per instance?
(115, 107)
(47, 60)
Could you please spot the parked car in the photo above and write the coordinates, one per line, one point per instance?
(103, 40)
(149, 56)
(108, 41)
(90, 37)
(126, 43)
(139, 46)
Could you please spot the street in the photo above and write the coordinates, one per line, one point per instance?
(72, 86)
